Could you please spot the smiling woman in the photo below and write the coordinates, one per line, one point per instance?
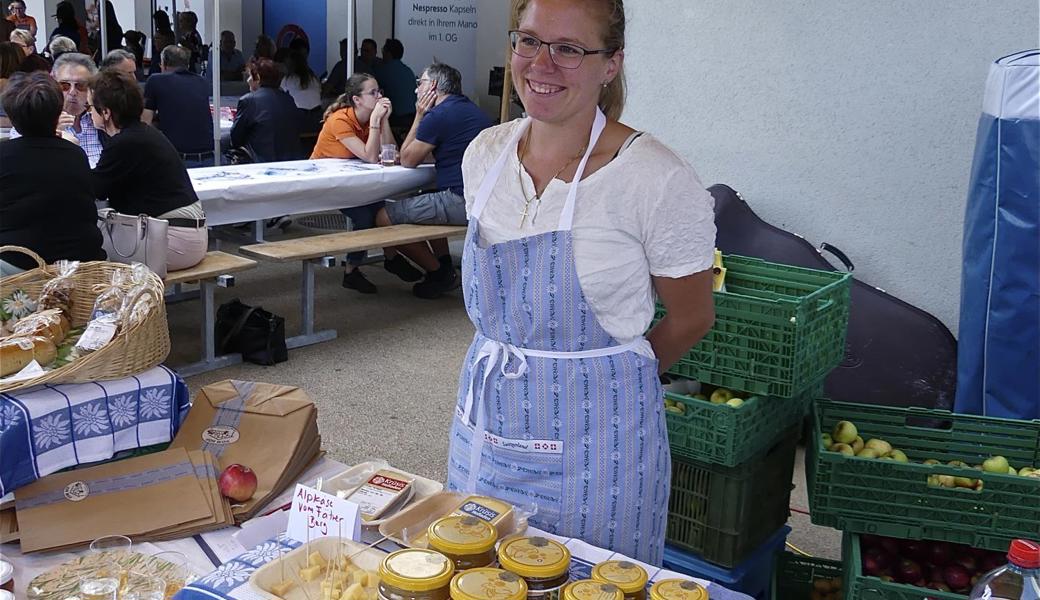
(576, 223)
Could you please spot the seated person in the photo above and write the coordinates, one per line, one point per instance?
(179, 100)
(32, 62)
(305, 88)
(121, 60)
(346, 134)
(140, 172)
(60, 45)
(232, 63)
(47, 204)
(266, 117)
(445, 123)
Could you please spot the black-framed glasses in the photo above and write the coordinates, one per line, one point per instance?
(567, 56)
(81, 86)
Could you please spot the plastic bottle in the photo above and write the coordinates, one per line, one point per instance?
(1017, 580)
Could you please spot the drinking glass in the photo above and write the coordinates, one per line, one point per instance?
(182, 575)
(112, 549)
(388, 155)
(98, 586)
(140, 586)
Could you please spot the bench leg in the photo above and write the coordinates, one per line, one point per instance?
(258, 231)
(210, 361)
(307, 334)
(177, 294)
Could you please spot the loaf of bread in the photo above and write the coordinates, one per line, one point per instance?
(50, 324)
(17, 352)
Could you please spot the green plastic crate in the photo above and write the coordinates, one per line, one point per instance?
(794, 575)
(778, 329)
(894, 499)
(723, 514)
(720, 434)
(863, 587)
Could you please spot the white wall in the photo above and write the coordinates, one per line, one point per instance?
(847, 122)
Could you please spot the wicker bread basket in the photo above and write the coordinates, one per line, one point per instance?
(134, 349)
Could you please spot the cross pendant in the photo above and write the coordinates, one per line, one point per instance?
(523, 215)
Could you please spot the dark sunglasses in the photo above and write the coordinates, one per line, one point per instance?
(81, 86)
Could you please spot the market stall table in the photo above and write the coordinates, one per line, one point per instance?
(254, 192)
(48, 428)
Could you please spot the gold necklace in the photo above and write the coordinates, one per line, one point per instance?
(537, 196)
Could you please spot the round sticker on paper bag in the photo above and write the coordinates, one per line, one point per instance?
(76, 491)
(220, 435)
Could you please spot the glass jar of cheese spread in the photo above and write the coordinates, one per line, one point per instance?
(488, 584)
(678, 589)
(629, 577)
(588, 589)
(467, 541)
(543, 563)
(415, 574)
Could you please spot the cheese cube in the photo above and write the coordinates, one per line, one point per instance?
(315, 558)
(279, 589)
(310, 573)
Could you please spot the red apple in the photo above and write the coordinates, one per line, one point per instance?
(908, 571)
(939, 553)
(875, 561)
(968, 562)
(237, 482)
(956, 577)
(890, 546)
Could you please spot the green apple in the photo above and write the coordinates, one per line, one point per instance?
(826, 440)
(868, 453)
(857, 444)
(735, 402)
(886, 457)
(843, 449)
(680, 407)
(673, 410)
(720, 396)
(933, 481)
(898, 456)
(1012, 471)
(701, 397)
(932, 461)
(669, 402)
(964, 482)
(996, 464)
(881, 446)
(947, 481)
(1027, 472)
(844, 432)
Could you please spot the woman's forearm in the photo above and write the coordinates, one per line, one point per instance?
(672, 337)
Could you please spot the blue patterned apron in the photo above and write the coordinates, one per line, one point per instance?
(553, 412)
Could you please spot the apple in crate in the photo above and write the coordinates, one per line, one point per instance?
(237, 482)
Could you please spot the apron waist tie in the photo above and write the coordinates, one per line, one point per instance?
(494, 352)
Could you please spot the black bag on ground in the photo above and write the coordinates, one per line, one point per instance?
(258, 335)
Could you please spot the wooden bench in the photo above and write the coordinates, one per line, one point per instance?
(323, 250)
(215, 270)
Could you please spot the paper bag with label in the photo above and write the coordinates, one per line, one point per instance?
(268, 428)
(129, 497)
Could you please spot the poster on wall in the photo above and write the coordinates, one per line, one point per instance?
(439, 30)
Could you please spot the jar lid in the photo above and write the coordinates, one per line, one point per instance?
(416, 570)
(488, 584)
(1025, 554)
(462, 534)
(535, 557)
(6, 572)
(587, 589)
(678, 589)
(628, 576)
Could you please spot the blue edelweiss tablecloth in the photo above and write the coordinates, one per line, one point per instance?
(230, 581)
(51, 427)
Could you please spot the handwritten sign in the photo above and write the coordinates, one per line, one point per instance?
(315, 514)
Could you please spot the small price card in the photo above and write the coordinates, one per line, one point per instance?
(316, 514)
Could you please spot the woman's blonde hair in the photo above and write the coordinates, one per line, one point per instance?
(611, 97)
(354, 86)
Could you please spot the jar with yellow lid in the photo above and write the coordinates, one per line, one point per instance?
(415, 574)
(467, 541)
(678, 589)
(590, 589)
(488, 584)
(629, 577)
(543, 563)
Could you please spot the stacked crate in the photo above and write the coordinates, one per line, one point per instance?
(904, 500)
(778, 332)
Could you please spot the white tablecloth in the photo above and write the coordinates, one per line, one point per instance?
(241, 193)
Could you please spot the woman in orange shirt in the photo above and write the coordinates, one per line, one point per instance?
(16, 15)
(346, 133)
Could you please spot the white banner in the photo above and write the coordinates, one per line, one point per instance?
(443, 31)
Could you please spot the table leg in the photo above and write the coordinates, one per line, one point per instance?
(307, 334)
(210, 361)
(258, 231)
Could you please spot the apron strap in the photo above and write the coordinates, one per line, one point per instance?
(567, 216)
(491, 178)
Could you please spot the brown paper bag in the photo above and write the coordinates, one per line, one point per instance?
(8, 526)
(129, 497)
(263, 426)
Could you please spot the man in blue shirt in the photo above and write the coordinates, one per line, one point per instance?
(179, 100)
(398, 83)
(444, 125)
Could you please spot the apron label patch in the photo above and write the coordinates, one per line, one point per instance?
(529, 446)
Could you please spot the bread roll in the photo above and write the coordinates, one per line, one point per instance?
(50, 324)
(17, 352)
